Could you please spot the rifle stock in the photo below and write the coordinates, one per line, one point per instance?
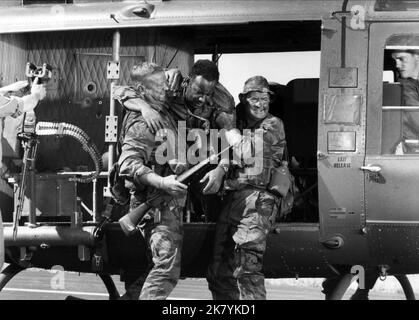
(130, 221)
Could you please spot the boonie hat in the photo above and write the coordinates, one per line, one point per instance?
(256, 83)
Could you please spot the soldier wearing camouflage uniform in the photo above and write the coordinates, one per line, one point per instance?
(145, 175)
(249, 209)
(202, 102)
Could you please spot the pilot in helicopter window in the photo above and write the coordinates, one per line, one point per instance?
(401, 98)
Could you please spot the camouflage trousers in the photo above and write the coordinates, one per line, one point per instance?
(235, 271)
(164, 244)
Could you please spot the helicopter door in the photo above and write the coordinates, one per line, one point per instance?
(341, 151)
(392, 161)
(1, 243)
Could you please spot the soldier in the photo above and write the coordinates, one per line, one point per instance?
(200, 100)
(162, 225)
(249, 208)
(14, 107)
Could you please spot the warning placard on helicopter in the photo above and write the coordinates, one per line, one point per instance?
(337, 213)
(341, 162)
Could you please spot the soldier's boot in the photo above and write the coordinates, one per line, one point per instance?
(252, 287)
(227, 295)
(250, 279)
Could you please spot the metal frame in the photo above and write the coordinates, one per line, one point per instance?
(94, 15)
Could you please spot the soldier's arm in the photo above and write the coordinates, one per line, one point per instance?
(136, 151)
(225, 115)
(14, 87)
(15, 105)
(10, 107)
(274, 135)
(131, 100)
(174, 79)
(270, 135)
(231, 136)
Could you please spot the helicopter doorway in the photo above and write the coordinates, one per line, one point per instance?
(294, 79)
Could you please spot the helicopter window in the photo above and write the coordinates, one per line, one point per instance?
(400, 111)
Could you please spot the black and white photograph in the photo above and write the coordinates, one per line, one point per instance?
(193, 151)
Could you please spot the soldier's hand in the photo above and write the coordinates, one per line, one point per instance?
(38, 90)
(174, 78)
(170, 185)
(153, 119)
(215, 178)
(38, 93)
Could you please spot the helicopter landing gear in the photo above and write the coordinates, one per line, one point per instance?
(341, 285)
(406, 286)
(110, 286)
(8, 273)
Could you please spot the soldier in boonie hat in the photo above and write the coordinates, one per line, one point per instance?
(255, 99)
(249, 207)
(256, 83)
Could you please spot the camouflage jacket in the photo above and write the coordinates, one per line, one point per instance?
(268, 147)
(219, 114)
(138, 146)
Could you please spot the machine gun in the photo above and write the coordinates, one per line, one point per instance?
(43, 73)
(29, 143)
(130, 221)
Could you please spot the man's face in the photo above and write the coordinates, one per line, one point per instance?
(199, 92)
(257, 105)
(407, 64)
(156, 85)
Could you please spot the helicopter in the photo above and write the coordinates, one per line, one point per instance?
(357, 205)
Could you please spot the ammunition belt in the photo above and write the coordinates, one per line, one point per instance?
(66, 129)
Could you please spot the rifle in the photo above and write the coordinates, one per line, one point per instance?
(130, 221)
